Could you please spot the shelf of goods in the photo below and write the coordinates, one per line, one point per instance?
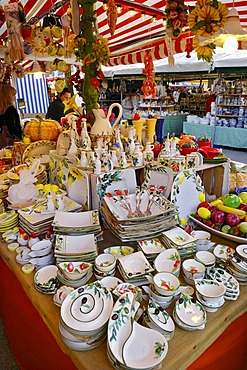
(158, 104)
(223, 136)
(35, 318)
(231, 110)
(195, 104)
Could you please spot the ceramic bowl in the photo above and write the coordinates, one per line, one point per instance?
(42, 260)
(74, 270)
(166, 284)
(61, 294)
(105, 262)
(211, 291)
(207, 258)
(110, 282)
(158, 298)
(200, 235)
(242, 251)
(44, 248)
(168, 261)
(193, 269)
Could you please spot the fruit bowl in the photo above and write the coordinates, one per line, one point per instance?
(187, 150)
(209, 152)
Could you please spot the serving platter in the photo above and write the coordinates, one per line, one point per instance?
(38, 148)
(187, 192)
(236, 239)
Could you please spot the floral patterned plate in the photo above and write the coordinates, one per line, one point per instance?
(187, 192)
(223, 251)
(190, 311)
(87, 309)
(150, 348)
(120, 324)
(38, 148)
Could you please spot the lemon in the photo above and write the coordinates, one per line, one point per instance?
(47, 188)
(181, 179)
(28, 268)
(204, 213)
(183, 221)
(125, 251)
(201, 196)
(13, 246)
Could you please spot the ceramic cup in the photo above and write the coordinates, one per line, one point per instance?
(105, 262)
(190, 161)
(205, 257)
(193, 269)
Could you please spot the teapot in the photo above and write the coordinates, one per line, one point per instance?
(102, 122)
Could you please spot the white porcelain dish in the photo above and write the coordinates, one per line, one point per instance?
(168, 261)
(211, 291)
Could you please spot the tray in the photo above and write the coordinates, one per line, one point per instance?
(233, 238)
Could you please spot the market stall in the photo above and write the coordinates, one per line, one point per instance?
(110, 237)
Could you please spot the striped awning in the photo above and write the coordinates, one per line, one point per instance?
(29, 87)
(133, 33)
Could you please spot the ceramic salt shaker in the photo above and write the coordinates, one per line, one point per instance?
(83, 160)
(97, 166)
(50, 203)
(137, 157)
(148, 155)
(60, 203)
(114, 158)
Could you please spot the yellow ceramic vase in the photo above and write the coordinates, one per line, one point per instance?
(138, 124)
(151, 123)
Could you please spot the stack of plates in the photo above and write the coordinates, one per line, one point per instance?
(4, 190)
(33, 220)
(74, 274)
(179, 239)
(75, 248)
(232, 262)
(14, 177)
(189, 314)
(231, 284)
(45, 279)
(134, 268)
(2, 209)
(151, 248)
(8, 220)
(149, 222)
(77, 224)
(158, 319)
(130, 345)
(84, 316)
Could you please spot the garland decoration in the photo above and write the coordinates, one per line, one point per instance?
(176, 15)
(204, 20)
(92, 51)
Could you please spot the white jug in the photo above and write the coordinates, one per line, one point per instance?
(102, 122)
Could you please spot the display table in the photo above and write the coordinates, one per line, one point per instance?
(173, 124)
(31, 320)
(223, 136)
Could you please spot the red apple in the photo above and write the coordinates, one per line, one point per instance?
(218, 217)
(208, 223)
(205, 205)
(243, 206)
(232, 219)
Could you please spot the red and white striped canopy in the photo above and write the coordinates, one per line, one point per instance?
(133, 34)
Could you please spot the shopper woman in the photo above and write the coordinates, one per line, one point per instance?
(10, 127)
(56, 108)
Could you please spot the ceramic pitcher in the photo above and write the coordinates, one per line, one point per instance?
(102, 122)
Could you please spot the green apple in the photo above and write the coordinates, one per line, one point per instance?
(243, 227)
(232, 200)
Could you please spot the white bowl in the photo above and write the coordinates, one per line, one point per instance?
(207, 258)
(168, 261)
(193, 269)
(211, 291)
(105, 262)
(43, 244)
(74, 270)
(200, 235)
(110, 282)
(158, 298)
(166, 283)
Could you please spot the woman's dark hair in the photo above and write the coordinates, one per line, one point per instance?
(64, 91)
